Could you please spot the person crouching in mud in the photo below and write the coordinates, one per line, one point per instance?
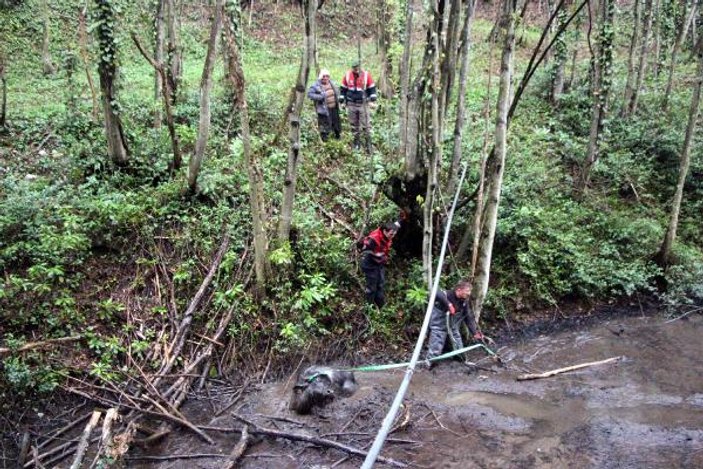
(375, 249)
(456, 302)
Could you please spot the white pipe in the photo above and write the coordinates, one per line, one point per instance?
(393, 412)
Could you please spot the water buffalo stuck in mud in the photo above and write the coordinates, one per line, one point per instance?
(318, 386)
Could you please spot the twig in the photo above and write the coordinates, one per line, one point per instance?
(346, 425)
(439, 422)
(184, 327)
(547, 374)
(282, 419)
(84, 441)
(404, 420)
(683, 315)
(40, 344)
(302, 437)
(178, 456)
(346, 189)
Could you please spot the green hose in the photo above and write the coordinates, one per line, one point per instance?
(391, 366)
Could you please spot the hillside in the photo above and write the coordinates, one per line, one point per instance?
(125, 274)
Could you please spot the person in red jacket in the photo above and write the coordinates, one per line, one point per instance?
(356, 92)
(374, 256)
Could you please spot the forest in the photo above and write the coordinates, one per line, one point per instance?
(175, 223)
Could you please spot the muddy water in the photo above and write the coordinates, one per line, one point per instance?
(644, 411)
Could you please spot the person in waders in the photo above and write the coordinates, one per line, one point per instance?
(451, 309)
(375, 249)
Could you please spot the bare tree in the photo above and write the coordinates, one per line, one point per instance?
(600, 88)
(175, 56)
(405, 79)
(657, 37)
(560, 56)
(293, 112)
(165, 90)
(159, 27)
(641, 69)
(495, 171)
(461, 96)
(108, 70)
(634, 42)
(205, 86)
(663, 257)
(683, 28)
(385, 19)
(256, 178)
(83, 42)
(48, 64)
(3, 82)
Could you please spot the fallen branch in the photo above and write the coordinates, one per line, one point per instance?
(184, 327)
(547, 374)
(85, 439)
(107, 437)
(329, 214)
(683, 315)
(256, 430)
(239, 449)
(40, 344)
(178, 456)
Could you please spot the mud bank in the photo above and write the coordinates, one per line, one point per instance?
(643, 411)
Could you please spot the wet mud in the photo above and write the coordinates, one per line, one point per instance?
(644, 411)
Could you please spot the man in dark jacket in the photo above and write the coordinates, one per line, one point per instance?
(374, 256)
(326, 97)
(358, 92)
(451, 309)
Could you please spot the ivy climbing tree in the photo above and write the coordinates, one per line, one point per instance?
(105, 26)
(600, 88)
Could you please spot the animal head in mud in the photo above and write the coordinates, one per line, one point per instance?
(317, 386)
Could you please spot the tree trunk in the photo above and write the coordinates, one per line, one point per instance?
(106, 31)
(663, 257)
(385, 19)
(175, 57)
(634, 41)
(205, 87)
(159, 59)
(83, 40)
(657, 38)
(450, 31)
(160, 69)
(48, 65)
(495, 173)
(256, 178)
(641, 69)
(405, 80)
(602, 68)
(309, 14)
(3, 83)
(689, 14)
(461, 96)
(435, 153)
(560, 57)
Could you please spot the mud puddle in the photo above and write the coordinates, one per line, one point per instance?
(644, 411)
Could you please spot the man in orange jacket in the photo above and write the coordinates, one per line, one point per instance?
(356, 92)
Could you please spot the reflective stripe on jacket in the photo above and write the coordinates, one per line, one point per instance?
(355, 87)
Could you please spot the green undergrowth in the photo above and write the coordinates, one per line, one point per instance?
(89, 248)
